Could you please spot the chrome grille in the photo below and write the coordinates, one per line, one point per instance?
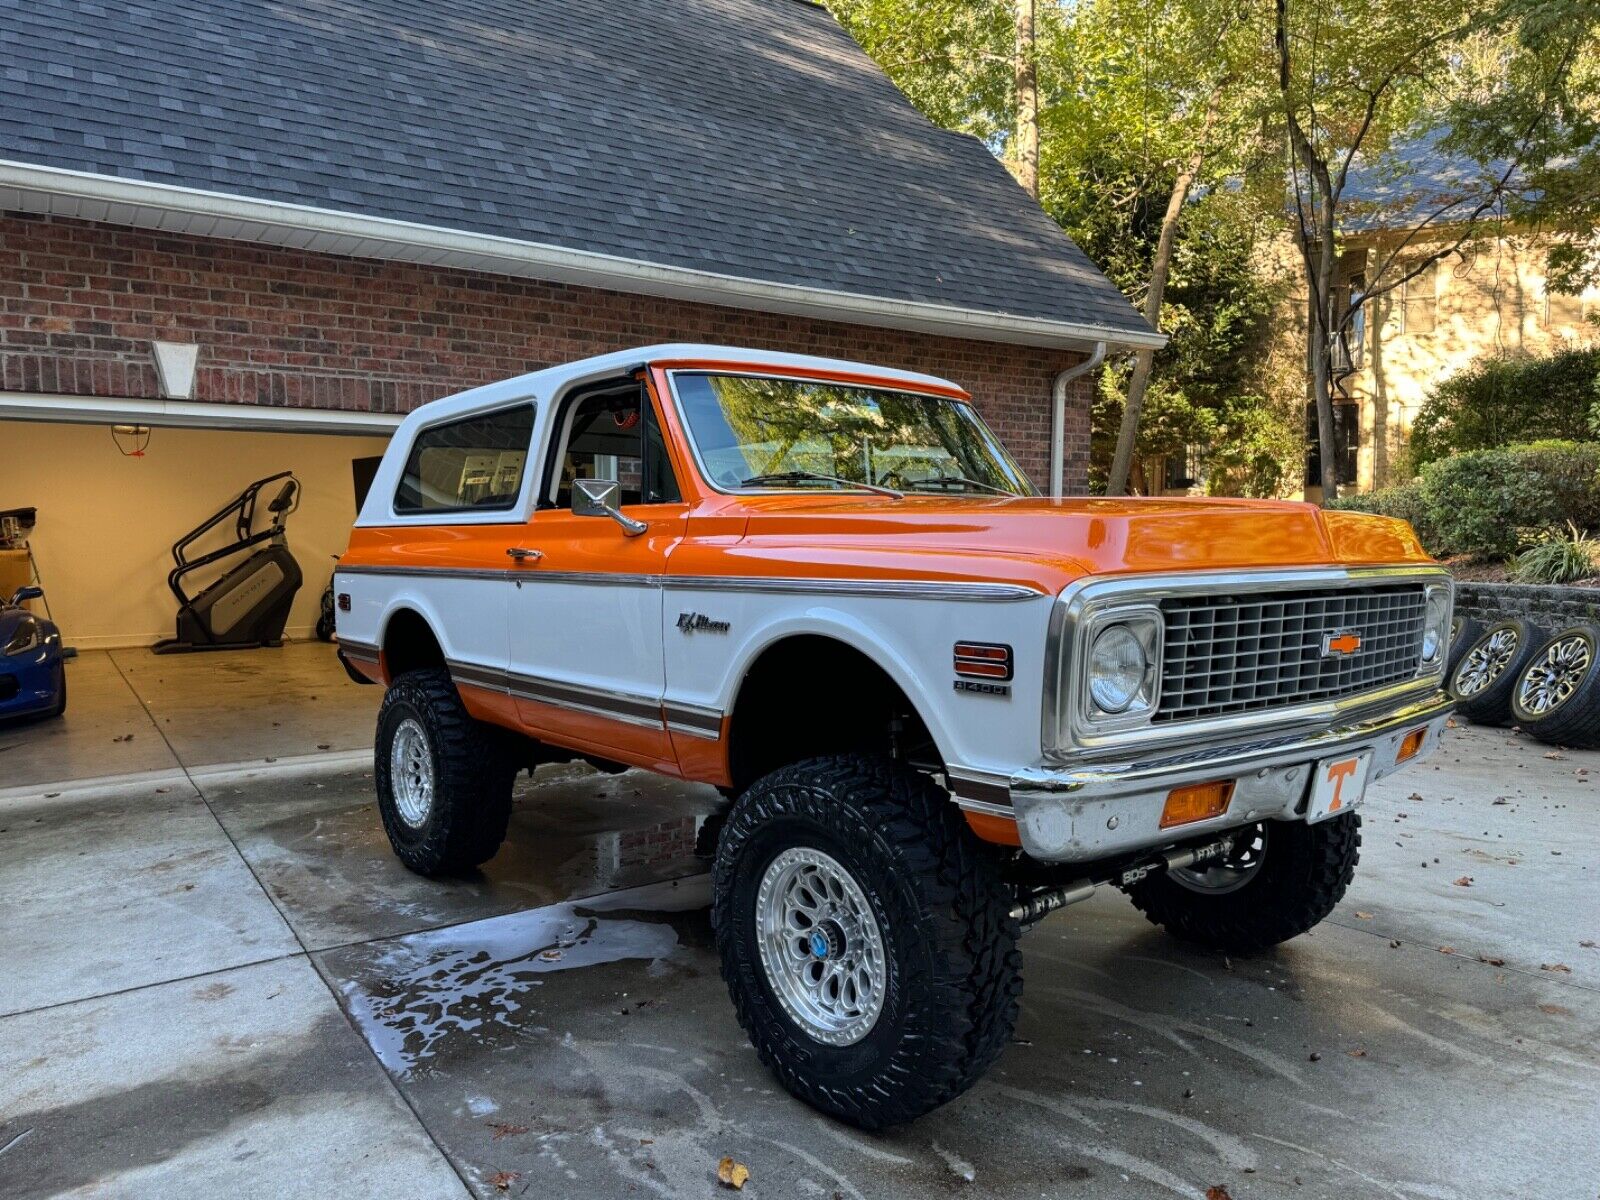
(1244, 653)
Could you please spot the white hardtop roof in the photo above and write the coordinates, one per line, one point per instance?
(546, 383)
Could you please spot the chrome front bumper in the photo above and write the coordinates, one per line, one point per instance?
(1102, 810)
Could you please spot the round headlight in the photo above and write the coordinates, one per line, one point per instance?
(1117, 668)
(1434, 626)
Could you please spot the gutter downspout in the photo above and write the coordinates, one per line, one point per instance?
(1058, 417)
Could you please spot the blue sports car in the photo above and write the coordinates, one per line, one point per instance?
(33, 677)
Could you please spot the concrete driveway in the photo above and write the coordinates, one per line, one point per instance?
(223, 984)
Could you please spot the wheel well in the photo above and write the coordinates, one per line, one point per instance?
(811, 695)
(409, 644)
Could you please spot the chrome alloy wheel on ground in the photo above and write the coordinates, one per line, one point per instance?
(820, 945)
(411, 773)
(1485, 662)
(1555, 675)
(1230, 872)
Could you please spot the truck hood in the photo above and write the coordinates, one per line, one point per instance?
(1052, 542)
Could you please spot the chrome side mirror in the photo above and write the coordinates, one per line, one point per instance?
(598, 498)
(28, 592)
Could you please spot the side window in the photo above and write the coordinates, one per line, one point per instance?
(615, 435)
(473, 464)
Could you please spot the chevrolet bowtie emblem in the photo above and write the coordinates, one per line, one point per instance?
(1340, 643)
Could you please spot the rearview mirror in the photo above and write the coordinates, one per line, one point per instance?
(26, 593)
(599, 498)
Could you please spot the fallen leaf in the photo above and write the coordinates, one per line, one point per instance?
(1464, 881)
(1314, 1057)
(1358, 1052)
(1447, 949)
(1217, 1192)
(1394, 943)
(1363, 916)
(1554, 756)
(1491, 960)
(549, 956)
(1561, 967)
(1501, 800)
(732, 1174)
(502, 1180)
(324, 745)
(506, 1129)
(1587, 943)
(1415, 796)
(1555, 1010)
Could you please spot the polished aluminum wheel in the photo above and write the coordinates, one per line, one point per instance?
(1555, 675)
(1230, 872)
(820, 946)
(411, 773)
(1485, 662)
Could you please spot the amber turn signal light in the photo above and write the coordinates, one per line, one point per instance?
(1412, 744)
(1197, 802)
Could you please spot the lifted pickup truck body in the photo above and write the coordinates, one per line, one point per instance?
(719, 564)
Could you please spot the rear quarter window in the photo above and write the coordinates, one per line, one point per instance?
(475, 464)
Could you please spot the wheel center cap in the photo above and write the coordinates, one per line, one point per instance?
(827, 940)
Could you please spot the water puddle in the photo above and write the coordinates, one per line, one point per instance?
(424, 988)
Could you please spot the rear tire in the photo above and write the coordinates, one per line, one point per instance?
(887, 863)
(444, 780)
(1556, 697)
(1299, 875)
(1485, 676)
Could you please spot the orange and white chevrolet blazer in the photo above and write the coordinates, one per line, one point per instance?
(939, 704)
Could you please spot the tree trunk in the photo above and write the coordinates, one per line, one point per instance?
(1160, 265)
(1025, 156)
(1322, 361)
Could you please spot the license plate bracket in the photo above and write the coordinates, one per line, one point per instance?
(1338, 785)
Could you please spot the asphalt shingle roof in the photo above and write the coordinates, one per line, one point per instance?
(750, 138)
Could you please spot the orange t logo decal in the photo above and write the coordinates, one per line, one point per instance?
(1337, 774)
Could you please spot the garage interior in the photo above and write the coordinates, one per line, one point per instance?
(111, 502)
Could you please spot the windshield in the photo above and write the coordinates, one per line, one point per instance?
(752, 432)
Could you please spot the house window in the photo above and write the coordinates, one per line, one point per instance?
(473, 464)
(1562, 311)
(1346, 442)
(1419, 301)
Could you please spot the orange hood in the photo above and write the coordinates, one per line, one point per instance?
(1050, 543)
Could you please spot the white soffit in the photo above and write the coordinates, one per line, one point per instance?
(191, 414)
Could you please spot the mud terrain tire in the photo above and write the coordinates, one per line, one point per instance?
(951, 972)
(1303, 873)
(469, 772)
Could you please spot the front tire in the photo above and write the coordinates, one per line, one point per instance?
(444, 780)
(865, 938)
(1282, 878)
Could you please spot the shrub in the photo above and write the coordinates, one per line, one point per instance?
(1486, 503)
(1504, 400)
(1404, 501)
(1559, 558)
(1489, 503)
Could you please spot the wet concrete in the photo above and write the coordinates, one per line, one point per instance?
(530, 1031)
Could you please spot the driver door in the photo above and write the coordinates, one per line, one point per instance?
(586, 658)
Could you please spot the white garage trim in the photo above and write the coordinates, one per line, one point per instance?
(27, 187)
(190, 414)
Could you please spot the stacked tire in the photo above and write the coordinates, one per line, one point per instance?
(1510, 671)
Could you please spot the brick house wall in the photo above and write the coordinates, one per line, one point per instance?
(80, 301)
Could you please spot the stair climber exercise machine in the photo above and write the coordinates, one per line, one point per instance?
(248, 605)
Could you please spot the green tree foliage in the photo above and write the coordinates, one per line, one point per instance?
(1501, 400)
(1142, 102)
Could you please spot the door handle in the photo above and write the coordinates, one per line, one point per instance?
(524, 555)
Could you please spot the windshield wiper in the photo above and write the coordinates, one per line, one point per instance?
(964, 481)
(815, 477)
